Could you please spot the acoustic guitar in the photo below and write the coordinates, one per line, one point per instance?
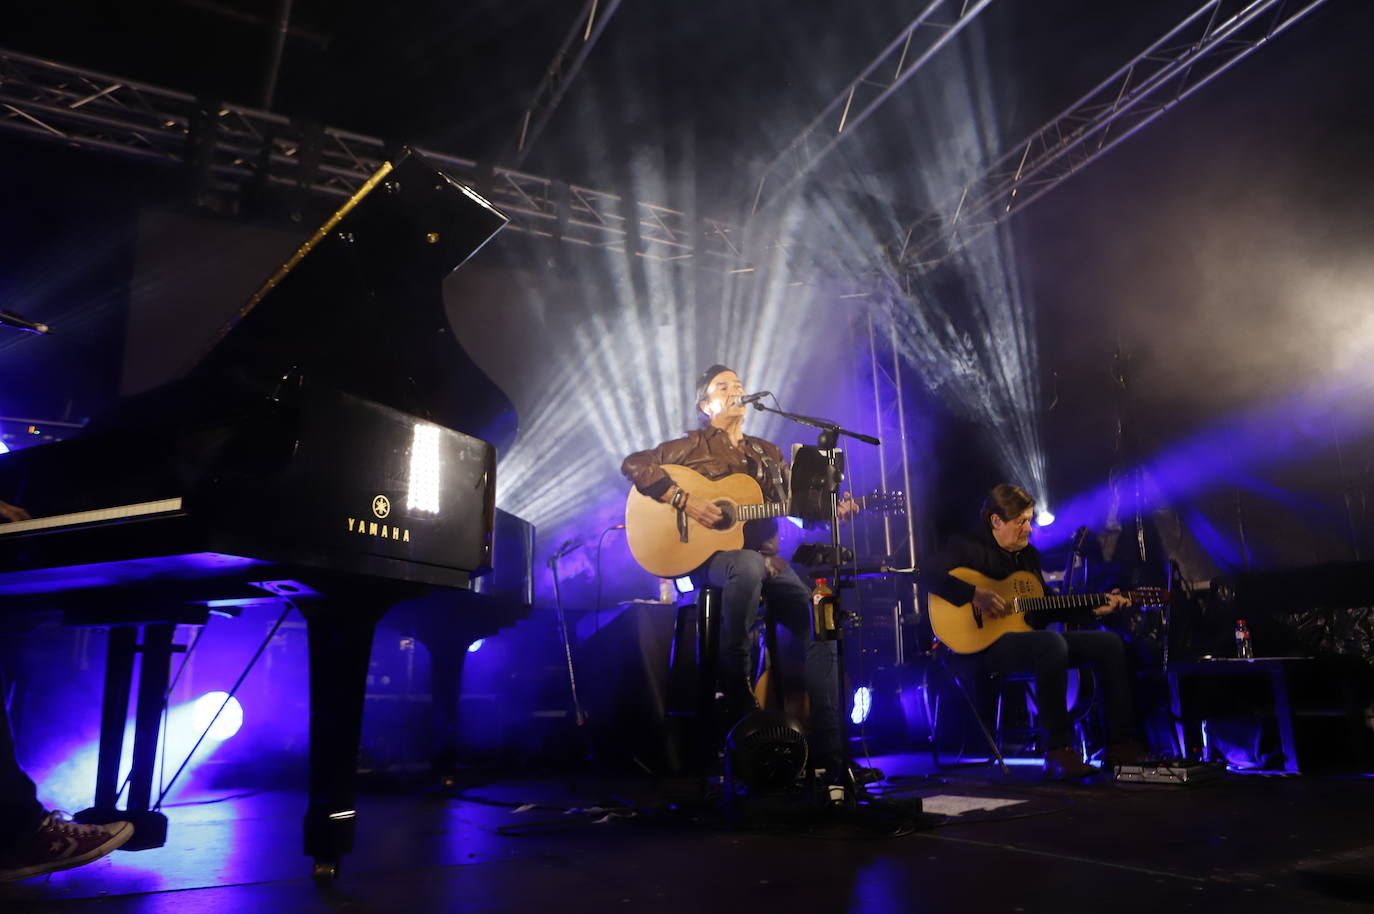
(669, 546)
(965, 630)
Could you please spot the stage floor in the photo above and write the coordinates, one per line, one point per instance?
(570, 843)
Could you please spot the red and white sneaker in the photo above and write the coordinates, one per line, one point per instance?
(60, 844)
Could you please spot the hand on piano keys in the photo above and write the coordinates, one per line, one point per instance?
(11, 512)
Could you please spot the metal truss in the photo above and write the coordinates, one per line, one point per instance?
(591, 22)
(886, 607)
(1216, 37)
(933, 28)
(894, 459)
(231, 149)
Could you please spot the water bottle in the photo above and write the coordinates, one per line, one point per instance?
(1244, 649)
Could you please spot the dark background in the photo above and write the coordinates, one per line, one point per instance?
(1218, 261)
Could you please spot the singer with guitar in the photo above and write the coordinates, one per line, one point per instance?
(719, 448)
(1001, 552)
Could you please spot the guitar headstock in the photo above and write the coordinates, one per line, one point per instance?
(883, 502)
(1149, 598)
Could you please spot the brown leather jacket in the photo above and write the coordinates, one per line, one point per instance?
(708, 451)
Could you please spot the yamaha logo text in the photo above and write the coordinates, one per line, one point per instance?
(381, 508)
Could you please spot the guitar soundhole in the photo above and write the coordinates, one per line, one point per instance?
(728, 519)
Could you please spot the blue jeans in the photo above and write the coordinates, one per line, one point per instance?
(1049, 655)
(741, 574)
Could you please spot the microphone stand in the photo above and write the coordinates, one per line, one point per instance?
(1076, 561)
(579, 717)
(830, 433)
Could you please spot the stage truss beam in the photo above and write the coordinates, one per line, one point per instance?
(591, 22)
(1216, 37)
(934, 27)
(234, 148)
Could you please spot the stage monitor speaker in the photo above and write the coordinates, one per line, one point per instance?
(622, 675)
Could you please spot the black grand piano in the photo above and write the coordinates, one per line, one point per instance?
(333, 447)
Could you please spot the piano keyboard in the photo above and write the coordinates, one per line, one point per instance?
(99, 515)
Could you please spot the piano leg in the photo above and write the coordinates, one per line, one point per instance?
(446, 681)
(340, 650)
(152, 687)
(150, 826)
(114, 712)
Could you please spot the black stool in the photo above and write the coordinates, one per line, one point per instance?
(693, 708)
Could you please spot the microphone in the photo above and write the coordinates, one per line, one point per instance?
(568, 546)
(10, 319)
(750, 398)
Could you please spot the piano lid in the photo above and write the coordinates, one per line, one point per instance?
(359, 307)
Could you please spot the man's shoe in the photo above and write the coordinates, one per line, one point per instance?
(1127, 753)
(60, 844)
(864, 776)
(1067, 765)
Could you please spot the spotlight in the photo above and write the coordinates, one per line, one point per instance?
(476, 646)
(863, 703)
(1044, 518)
(4, 448)
(229, 720)
(684, 584)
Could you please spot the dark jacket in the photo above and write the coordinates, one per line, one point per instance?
(981, 553)
(708, 451)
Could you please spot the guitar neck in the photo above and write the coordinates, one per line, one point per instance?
(757, 512)
(1072, 601)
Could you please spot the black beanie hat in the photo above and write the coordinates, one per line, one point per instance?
(705, 379)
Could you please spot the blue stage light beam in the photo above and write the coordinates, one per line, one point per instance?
(219, 713)
(70, 782)
(1228, 454)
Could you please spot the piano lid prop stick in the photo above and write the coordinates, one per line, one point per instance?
(19, 322)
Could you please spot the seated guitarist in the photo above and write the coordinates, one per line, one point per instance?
(1001, 547)
(715, 450)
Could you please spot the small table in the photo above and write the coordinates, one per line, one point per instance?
(1276, 668)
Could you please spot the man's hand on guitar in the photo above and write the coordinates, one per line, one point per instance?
(989, 603)
(847, 506)
(1115, 601)
(703, 511)
(12, 512)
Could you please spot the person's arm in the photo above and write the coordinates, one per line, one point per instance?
(958, 552)
(963, 551)
(645, 470)
(9, 512)
(1083, 617)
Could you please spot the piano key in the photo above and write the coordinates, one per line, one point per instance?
(96, 516)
